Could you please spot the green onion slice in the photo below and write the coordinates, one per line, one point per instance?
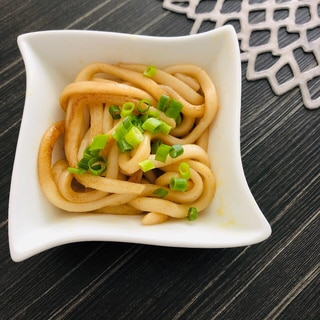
(160, 192)
(162, 152)
(99, 142)
(146, 165)
(91, 161)
(192, 214)
(134, 136)
(154, 146)
(165, 128)
(114, 112)
(176, 150)
(152, 125)
(119, 132)
(162, 102)
(127, 109)
(143, 105)
(83, 163)
(184, 170)
(150, 71)
(127, 122)
(123, 145)
(178, 120)
(76, 170)
(178, 184)
(174, 108)
(97, 165)
(136, 121)
(153, 114)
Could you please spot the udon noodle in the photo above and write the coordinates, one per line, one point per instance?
(125, 176)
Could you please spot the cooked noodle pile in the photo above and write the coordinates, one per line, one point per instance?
(160, 169)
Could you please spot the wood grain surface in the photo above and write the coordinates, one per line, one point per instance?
(275, 279)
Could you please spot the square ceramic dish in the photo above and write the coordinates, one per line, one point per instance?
(52, 60)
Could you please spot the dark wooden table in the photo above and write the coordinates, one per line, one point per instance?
(275, 279)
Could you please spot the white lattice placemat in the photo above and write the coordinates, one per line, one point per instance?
(281, 35)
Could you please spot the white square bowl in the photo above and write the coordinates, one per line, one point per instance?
(52, 60)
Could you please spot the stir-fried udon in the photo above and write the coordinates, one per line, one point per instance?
(135, 142)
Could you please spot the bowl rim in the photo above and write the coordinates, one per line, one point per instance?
(19, 252)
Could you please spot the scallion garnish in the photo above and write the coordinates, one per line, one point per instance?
(143, 105)
(127, 123)
(178, 119)
(176, 151)
(99, 142)
(162, 152)
(114, 112)
(77, 170)
(184, 170)
(174, 108)
(160, 192)
(123, 145)
(165, 128)
(162, 102)
(119, 132)
(152, 125)
(83, 163)
(154, 146)
(150, 71)
(134, 136)
(127, 109)
(178, 184)
(137, 121)
(192, 214)
(153, 114)
(91, 161)
(146, 165)
(97, 166)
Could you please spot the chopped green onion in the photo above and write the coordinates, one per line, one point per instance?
(87, 154)
(153, 114)
(160, 192)
(99, 142)
(83, 163)
(123, 145)
(162, 102)
(192, 214)
(143, 105)
(173, 109)
(97, 166)
(127, 109)
(146, 165)
(150, 71)
(154, 146)
(114, 112)
(152, 125)
(127, 123)
(142, 118)
(178, 119)
(178, 184)
(176, 151)
(184, 170)
(162, 152)
(137, 122)
(76, 170)
(134, 136)
(119, 132)
(91, 161)
(165, 128)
